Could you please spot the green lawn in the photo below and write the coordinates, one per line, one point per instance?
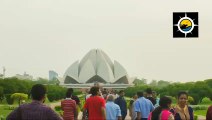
(200, 112)
(5, 110)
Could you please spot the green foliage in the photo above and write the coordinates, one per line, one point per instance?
(206, 101)
(195, 117)
(190, 100)
(199, 91)
(57, 108)
(55, 92)
(153, 83)
(199, 107)
(174, 100)
(1, 94)
(9, 99)
(131, 91)
(200, 112)
(19, 97)
(13, 85)
(162, 84)
(138, 82)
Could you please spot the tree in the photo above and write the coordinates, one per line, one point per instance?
(19, 97)
(162, 83)
(1, 94)
(190, 100)
(139, 82)
(153, 83)
(199, 91)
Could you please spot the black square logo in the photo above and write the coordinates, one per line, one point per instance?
(185, 25)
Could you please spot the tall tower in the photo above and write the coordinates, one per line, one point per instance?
(52, 75)
(4, 69)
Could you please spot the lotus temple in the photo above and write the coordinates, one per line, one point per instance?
(94, 67)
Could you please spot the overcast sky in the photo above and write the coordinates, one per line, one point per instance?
(41, 35)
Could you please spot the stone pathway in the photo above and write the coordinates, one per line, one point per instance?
(80, 116)
(200, 117)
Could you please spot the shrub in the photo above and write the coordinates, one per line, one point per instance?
(9, 100)
(57, 108)
(199, 107)
(206, 101)
(190, 100)
(195, 117)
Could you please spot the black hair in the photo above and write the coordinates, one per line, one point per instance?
(69, 92)
(38, 91)
(140, 94)
(121, 91)
(149, 91)
(164, 102)
(182, 93)
(94, 90)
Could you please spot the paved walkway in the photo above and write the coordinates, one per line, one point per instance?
(200, 117)
(80, 116)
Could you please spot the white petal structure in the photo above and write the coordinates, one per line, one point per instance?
(87, 72)
(95, 66)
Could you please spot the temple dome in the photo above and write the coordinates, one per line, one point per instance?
(95, 66)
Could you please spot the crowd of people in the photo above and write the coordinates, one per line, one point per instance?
(105, 105)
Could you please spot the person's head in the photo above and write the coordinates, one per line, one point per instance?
(135, 97)
(182, 98)
(144, 94)
(95, 91)
(69, 92)
(96, 84)
(38, 92)
(140, 94)
(121, 93)
(165, 102)
(149, 91)
(110, 97)
(154, 94)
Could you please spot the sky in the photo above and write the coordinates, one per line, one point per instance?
(41, 35)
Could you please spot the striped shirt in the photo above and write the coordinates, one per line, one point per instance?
(69, 107)
(33, 111)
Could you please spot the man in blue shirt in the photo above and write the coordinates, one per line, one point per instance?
(143, 107)
(113, 111)
(122, 104)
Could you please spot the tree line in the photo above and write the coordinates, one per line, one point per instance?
(196, 90)
(13, 88)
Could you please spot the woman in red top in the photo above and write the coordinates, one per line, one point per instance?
(69, 107)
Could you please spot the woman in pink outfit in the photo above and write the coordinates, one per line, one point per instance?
(162, 112)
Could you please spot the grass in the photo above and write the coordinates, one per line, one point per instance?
(5, 110)
(200, 112)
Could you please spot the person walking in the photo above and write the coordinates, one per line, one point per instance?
(122, 104)
(162, 111)
(132, 112)
(143, 107)
(35, 110)
(95, 105)
(113, 111)
(69, 107)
